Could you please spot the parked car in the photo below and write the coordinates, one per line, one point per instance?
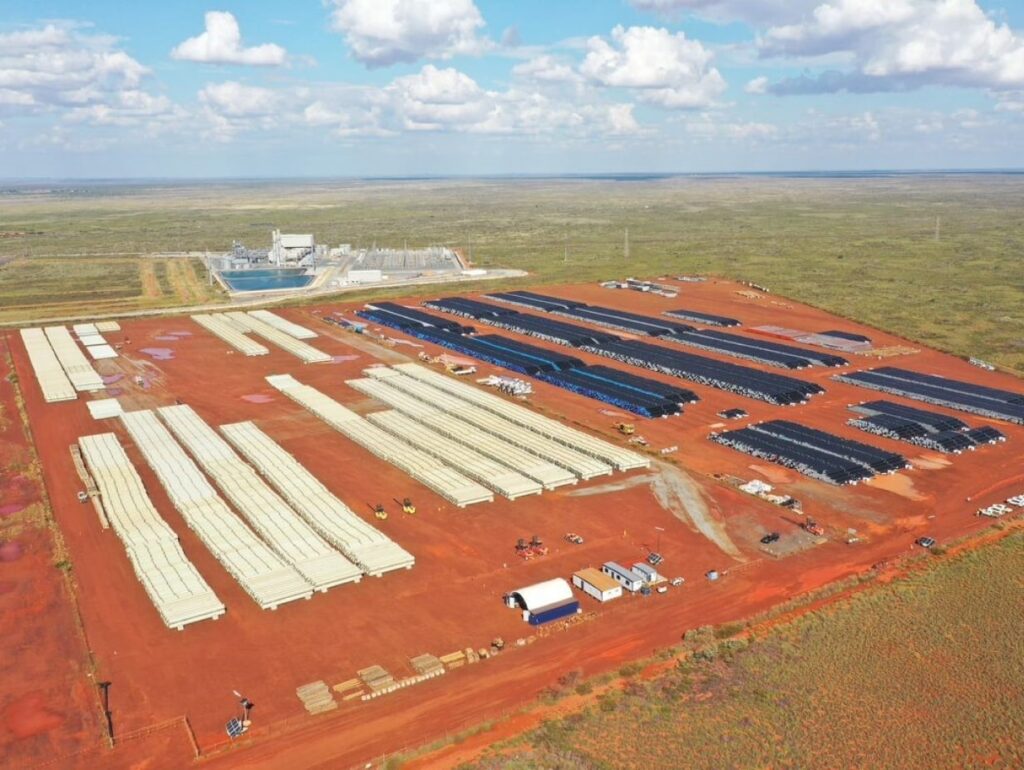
(678, 581)
(925, 542)
(771, 537)
(662, 589)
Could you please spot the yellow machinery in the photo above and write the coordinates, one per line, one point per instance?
(625, 428)
(408, 507)
(379, 512)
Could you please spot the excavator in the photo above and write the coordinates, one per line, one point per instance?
(625, 428)
(408, 507)
(379, 512)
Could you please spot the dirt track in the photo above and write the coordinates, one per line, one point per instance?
(465, 561)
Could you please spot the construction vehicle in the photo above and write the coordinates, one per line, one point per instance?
(408, 507)
(770, 538)
(523, 549)
(812, 527)
(572, 537)
(625, 428)
(538, 547)
(379, 512)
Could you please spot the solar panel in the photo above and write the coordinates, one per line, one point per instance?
(235, 728)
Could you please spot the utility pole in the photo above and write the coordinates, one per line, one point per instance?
(625, 245)
(937, 220)
(565, 256)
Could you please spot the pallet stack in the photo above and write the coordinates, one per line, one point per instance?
(455, 659)
(427, 664)
(349, 689)
(316, 697)
(376, 678)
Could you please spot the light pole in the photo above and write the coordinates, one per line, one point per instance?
(247, 706)
(659, 530)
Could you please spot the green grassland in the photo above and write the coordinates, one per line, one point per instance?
(863, 248)
(923, 673)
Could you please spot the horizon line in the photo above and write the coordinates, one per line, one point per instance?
(522, 175)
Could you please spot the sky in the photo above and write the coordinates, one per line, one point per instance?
(322, 88)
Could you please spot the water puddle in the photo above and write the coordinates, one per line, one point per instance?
(257, 398)
(159, 354)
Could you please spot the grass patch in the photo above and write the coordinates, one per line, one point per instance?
(851, 247)
(923, 673)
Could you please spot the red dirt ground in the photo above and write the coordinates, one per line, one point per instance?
(46, 704)
(451, 599)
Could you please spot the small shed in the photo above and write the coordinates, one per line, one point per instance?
(595, 583)
(646, 572)
(625, 577)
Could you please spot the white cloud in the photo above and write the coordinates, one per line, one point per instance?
(380, 33)
(621, 120)
(711, 127)
(221, 43)
(129, 109)
(58, 66)
(899, 44)
(665, 68)
(1010, 101)
(347, 120)
(547, 69)
(237, 100)
(448, 100)
(757, 86)
(435, 98)
(755, 11)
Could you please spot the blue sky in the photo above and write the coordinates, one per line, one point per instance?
(409, 87)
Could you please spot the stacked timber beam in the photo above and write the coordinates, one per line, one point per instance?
(316, 697)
